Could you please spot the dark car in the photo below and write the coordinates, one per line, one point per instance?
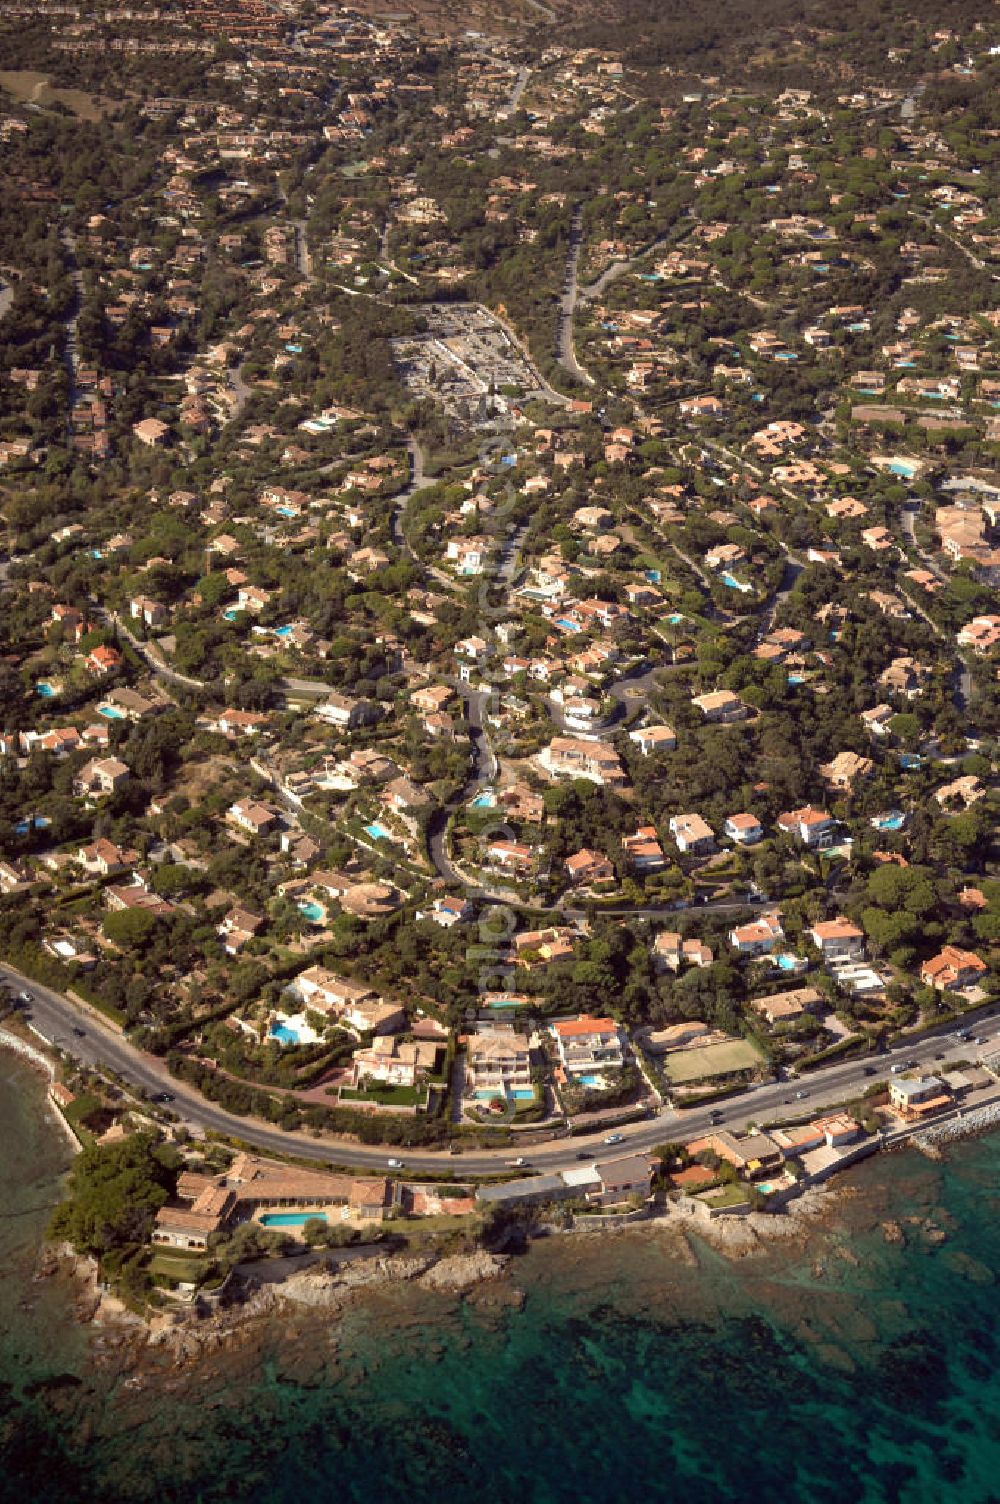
(80, 1033)
(870, 1070)
(163, 1096)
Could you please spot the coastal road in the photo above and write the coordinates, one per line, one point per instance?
(87, 1038)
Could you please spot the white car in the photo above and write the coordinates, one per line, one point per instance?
(394, 1164)
(615, 1138)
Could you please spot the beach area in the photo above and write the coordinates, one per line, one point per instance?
(853, 1353)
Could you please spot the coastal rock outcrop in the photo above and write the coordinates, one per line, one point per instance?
(462, 1271)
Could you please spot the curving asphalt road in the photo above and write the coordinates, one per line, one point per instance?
(87, 1038)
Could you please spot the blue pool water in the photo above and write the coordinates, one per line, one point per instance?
(653, 576)
(910, 760)
(111, 713)
(523, 1094)
(786, 355)
(676, 619)
(40, 822)
(787, 962)
(734, 584)
(901, 467)
(283, 631)
(504, 1002)
(314, 912)
(589, 1080)
(568, 626)
(284, 1035)
(294, 349)
(291, 1219)
(232, 613)
(286, 512)
(796, 679)
(45, 689)
(484, 801)
(894, 821)
(378, 832)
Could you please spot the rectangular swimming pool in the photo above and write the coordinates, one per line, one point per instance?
(291, 1219)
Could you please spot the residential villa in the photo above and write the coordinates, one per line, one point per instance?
(838, 940)
(953, 970)
(497, 1064)
(207, 1205)
(812, 827)
(588, 1044)
(788, 1007)
(575, 758)
(693, 835)
(757, 938)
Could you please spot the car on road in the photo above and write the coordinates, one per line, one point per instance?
(615, 1138)
(163, 1096)
(394, 1164)
(518, 1162)
(965, 1036)
(939, 1055)
(26, 997)
(980, 1039)
(800, 1096)
(80, 1033)
(869, 1070)
(584, 1154)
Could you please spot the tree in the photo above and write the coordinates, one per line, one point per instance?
(114, 1192)
(130, 928)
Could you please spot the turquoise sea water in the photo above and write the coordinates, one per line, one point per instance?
(856, 1365)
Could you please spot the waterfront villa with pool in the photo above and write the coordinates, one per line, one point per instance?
(271, 1193)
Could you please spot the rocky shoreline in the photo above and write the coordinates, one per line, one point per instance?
(189, 1331)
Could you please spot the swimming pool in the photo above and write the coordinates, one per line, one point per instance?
(291, 1219)
(901, 467)
(590, 1080)
(232, 613)
(523, 1094)
(284, 631)
(40, 822)
(111, 713)
(283, 1034)
(46, 690)
(567, 625)
(787, 962)
(314, 912)
(895, 820)
(734, 584)
(796, 679)
(483, 801)
(378, 832)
